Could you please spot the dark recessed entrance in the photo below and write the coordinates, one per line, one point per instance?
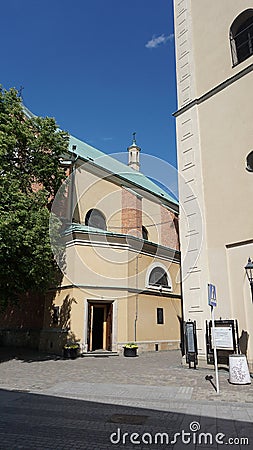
(99, 326)
(97, 331)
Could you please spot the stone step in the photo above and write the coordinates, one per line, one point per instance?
(99, 353)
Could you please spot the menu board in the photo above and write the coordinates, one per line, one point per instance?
(224, 337)
(190, 338)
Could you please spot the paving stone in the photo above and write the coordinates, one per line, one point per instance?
(51, 403)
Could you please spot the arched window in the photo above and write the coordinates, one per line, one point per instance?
(94, 218)
(144, 233)
(249, 162)
(158, 277)
(241, 37)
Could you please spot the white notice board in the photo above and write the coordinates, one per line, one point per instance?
(224, 337)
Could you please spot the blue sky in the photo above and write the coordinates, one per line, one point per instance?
(102, 68)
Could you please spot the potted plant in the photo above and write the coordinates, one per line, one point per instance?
(71, 350)
(130, 349)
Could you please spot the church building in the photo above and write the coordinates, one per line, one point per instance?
(121, 263)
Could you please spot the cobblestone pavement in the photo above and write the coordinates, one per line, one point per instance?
(34, 372)
(52, 403)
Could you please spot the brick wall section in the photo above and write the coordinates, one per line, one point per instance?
(28, 313)
(61, 207)
(169, 229)
(131, 214)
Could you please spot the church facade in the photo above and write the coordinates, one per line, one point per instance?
(121, 268)
(214, 143)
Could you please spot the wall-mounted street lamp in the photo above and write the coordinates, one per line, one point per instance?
(249, 272)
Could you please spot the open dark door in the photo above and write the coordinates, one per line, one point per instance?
(98, 327)
(99, 330)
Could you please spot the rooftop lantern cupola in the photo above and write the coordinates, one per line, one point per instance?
(134, 155)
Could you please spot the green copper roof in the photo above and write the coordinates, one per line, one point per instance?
(91, 154)
(104, 161)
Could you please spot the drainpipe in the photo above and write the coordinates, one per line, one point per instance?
(136, 298)
(182, 343)
(70, 163)
(72, 183)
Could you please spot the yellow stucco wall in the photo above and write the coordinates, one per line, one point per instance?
(147, 327)
(134, 313)
(96, 192)
(212, 55)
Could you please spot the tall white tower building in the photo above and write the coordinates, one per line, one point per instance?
(214, 59)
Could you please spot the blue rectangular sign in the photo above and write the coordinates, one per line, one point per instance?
(212, 295)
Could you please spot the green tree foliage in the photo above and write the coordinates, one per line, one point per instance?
(30, 150)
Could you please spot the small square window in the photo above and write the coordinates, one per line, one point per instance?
(160, 318)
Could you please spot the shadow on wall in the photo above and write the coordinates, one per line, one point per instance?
(182, 344)
(43, 344)
(57, 325)
(22, 318)
(243, 342)
(65, 312)
(21, 322)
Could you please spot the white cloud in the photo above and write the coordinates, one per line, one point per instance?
(156, 41)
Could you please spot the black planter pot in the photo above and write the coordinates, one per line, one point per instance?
(71, 353)
(128, 351)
